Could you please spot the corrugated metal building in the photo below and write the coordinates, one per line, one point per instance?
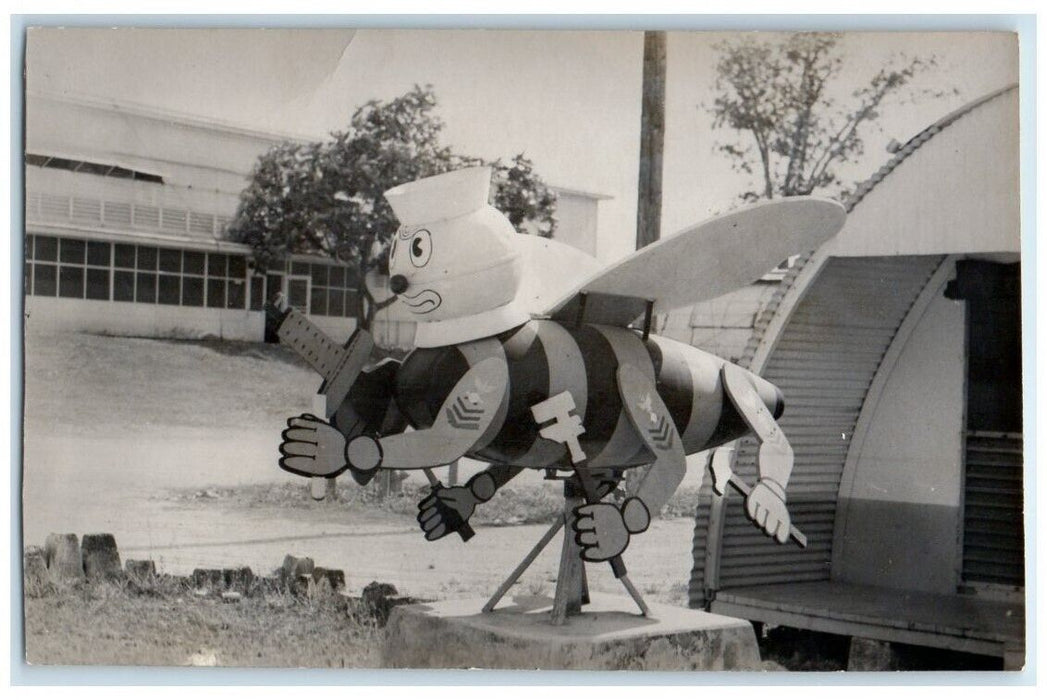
(897, 346)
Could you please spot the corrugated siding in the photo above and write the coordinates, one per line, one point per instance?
(824, 362)
(993, 537)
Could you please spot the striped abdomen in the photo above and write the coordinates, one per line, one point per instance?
(546, 358)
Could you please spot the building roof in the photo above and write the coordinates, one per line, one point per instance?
(915, 142)
(167, 116)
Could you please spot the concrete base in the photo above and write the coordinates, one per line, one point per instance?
(608, 636)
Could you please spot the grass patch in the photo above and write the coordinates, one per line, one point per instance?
(511, 505)
(161, 623)
(94, 383)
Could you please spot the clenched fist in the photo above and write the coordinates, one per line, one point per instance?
(447, 508)
(602, 530)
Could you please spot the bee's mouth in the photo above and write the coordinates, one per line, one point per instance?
(423, 302)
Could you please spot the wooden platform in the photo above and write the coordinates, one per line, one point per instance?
(960, 623)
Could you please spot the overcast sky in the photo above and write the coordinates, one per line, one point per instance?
(569, 100)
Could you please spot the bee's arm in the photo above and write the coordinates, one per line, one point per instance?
(448, 508)
(654, 424)
(470, 416)
(369, 408)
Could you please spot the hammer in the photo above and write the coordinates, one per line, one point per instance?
(720, 466)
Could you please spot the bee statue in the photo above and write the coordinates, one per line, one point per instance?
(530, 355)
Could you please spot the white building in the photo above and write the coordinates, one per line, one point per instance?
(126, 212)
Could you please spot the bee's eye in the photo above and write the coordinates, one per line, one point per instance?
(421, 248)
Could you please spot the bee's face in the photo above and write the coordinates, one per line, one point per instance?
(455, 267)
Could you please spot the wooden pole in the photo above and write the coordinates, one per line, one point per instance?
(569, 580)
(652, 140)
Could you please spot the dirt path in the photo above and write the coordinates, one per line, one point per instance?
(78, 484)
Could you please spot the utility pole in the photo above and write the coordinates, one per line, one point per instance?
(652, 140)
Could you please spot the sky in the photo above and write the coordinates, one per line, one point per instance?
(568, 100)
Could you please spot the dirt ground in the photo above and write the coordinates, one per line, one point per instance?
(117, 427)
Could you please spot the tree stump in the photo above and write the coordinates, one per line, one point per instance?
(238, 579)
(294, 567)
(62, 556)
(35, 578)
(335, 578)
(101, 560)
(140, 568)
(208, 579)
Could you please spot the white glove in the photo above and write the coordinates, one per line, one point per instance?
(765, 506)
(602, 530)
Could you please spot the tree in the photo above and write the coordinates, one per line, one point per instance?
(325, 197)
(796, 132)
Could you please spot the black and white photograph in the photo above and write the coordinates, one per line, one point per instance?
(522, 349)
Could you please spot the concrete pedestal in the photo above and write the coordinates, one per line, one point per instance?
(607, 636)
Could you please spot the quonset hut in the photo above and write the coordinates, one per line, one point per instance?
(898, 348)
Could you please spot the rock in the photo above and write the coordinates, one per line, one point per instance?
(100, 557)
(379, 599)
(301, 586)
(238, 579)
(375, 591)
(34, 568)
(871, 655)
(140, 568)
(293, 567)
(62, 556)
(335, 578)
(231, 597)
(209, 579)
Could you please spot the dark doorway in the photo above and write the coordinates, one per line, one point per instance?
(993, 535)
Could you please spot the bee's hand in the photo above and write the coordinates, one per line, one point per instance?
(602, 530)
(765, 506)
(312, 447)
(445, 510)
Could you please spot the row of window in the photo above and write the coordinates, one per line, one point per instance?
(78, 269)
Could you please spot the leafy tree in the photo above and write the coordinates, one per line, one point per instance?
(325, 197)
(779, 97)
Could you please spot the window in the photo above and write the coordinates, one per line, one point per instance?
(98, 254)
(145, 288)
(330, 291)
(192, 291)
(257, 292)
(97, 284)
(123, 285)
(46, 248)
(45, 280)
(99, 270)
(124, 256)
(215, 293)
(298, 293)
(94, 168)
(170, 260)
(169, 291)
(82, 269)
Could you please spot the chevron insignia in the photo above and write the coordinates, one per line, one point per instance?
(465, 413)
(661, 434)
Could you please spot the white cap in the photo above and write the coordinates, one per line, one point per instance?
(440, 197)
